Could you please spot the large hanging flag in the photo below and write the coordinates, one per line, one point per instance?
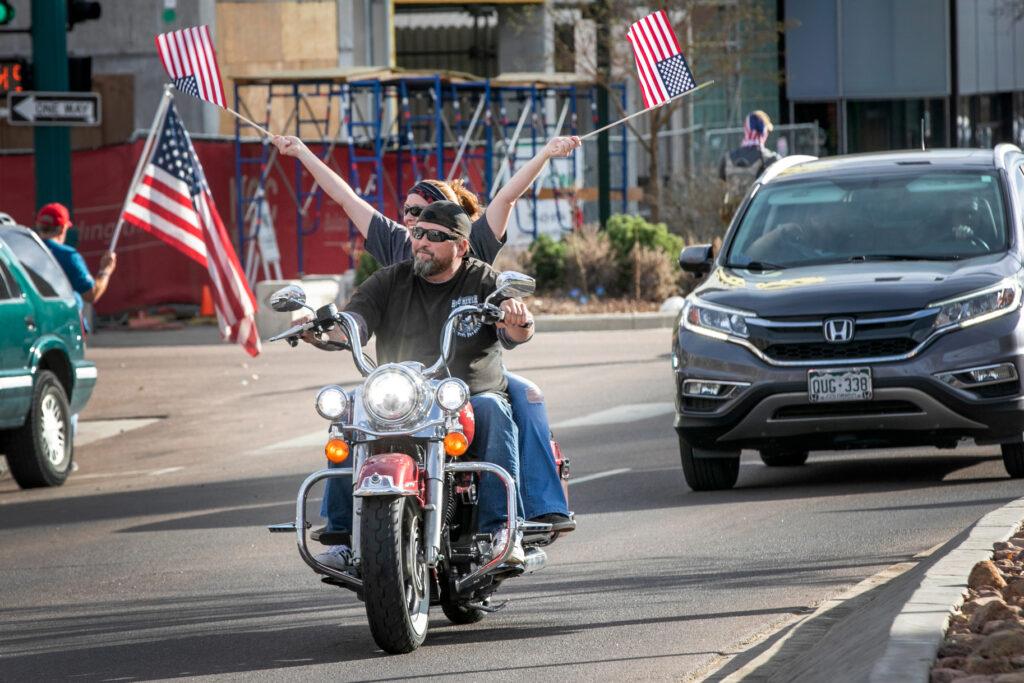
(664, 73)
(172, 201)
(190, 61)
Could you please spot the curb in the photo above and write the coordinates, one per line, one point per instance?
(919, 628)
(598, 322)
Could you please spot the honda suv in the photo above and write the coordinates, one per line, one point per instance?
(857, 302)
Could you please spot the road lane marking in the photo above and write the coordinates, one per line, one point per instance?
(628, 413)
(599, 475)
(90, 431)
(315, 440)
(166, 470)
(128, 473)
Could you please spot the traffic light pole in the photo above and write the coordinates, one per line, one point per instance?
(50, 61)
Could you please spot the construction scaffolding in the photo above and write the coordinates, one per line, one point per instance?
(384, 130)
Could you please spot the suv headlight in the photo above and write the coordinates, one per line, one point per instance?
(977, 307)
(392, 394)
(709, 319)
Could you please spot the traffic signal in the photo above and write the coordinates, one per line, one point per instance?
(6, 12)
(81, 10)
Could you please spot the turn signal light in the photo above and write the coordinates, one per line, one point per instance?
(336, 451)
(455, 444)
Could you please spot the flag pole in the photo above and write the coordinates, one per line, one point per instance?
(644, 111)
(261, 129)
(161, 112)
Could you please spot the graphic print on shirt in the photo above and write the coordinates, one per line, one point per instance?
(467, 326)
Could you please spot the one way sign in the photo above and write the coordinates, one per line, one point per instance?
(53, 108)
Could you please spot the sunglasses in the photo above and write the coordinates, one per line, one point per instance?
(433, 235)
(413, 211)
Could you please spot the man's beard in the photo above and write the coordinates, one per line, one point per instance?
(428, 267)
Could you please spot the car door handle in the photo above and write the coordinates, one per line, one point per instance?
(30, 323)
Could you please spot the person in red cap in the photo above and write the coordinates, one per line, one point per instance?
(52, 223)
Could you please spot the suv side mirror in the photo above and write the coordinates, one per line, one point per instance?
(696, 259)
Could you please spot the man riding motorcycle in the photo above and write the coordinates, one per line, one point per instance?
(406, 305)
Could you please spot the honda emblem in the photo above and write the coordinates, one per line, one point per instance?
(838, 330)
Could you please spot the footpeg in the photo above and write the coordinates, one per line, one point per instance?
(486, 606)
(286, 528)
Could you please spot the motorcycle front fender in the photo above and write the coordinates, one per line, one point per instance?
(388, 474)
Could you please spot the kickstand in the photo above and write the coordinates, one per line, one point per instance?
(486, 606)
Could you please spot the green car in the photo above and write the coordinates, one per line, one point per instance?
(44, 377)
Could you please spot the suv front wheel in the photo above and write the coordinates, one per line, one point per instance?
(1013, 459)
(39, 452)
(709, 473)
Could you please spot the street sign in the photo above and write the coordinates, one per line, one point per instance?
(29, 108)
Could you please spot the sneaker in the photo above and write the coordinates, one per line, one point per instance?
(498, 544)
(559, 522)
(336, 557)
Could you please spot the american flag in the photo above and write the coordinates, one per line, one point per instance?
(190, 61)
(172, 201)
(660, 64)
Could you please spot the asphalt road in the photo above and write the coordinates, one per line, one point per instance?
(153, 562)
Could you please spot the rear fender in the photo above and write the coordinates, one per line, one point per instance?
(388, 474)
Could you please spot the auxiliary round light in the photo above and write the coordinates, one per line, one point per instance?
(452, 394)
(331, 402)
(456, 444)
(336, 451)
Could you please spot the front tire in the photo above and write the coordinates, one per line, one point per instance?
(396, 580)
(1013, 459)
(708, 474)
(39, 453)
(775, 457)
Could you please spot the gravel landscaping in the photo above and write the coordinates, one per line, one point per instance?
(985, 639)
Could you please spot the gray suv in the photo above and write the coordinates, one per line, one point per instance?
(857, 302)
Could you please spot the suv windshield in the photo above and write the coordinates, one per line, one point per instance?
(923, 215)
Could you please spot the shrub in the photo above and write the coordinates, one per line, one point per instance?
(366, 266)
(591, 262)
(547, 262)
(626, 231)
(655, 276)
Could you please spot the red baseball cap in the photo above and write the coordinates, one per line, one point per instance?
(53, 215)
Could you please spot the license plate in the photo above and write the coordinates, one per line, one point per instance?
(841, 384)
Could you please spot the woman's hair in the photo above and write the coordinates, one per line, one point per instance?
(454, 191)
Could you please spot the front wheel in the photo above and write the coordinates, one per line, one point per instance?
(708, 474)
(39, 452)
(396, 584)
(1013, 459)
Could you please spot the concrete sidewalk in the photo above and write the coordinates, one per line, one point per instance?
(201, 335)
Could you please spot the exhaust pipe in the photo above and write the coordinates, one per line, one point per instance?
(535, 560)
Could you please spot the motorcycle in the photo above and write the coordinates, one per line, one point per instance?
(407, 428)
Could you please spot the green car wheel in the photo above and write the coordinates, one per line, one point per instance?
(39, 453)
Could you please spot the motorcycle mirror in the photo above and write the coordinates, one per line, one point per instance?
(514, 285)
(287, 299)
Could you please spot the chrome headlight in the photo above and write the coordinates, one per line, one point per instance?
(392, 394)
(977, 307)
(452, 394)
(331, 402)
(715, 321)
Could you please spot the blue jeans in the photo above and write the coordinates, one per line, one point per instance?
(539, 481)
(496, 441)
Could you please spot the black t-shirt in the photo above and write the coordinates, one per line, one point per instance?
(407, 313)
(388, 241)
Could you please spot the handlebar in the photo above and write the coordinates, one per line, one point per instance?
(328, 316)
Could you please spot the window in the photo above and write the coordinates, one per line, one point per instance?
(8, 288)
(42, 268)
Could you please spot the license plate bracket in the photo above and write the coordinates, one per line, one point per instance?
(839, 384)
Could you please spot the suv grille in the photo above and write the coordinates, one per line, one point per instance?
(846, 409)
(867, 348)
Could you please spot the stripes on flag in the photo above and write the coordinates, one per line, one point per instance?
(191, 62)
(660, 64)
(173, 202)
